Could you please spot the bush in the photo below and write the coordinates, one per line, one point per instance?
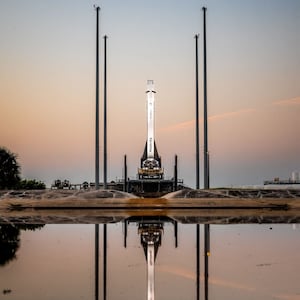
(9, 169)
(31, 184)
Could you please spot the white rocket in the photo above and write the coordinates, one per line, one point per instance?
(150, 108)
(150, 161)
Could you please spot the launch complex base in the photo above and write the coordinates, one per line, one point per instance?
(225, 206)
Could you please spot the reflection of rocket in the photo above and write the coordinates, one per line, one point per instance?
(150, 268)
(150, 108)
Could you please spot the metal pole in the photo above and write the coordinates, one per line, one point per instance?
(97, 104)
(206, 158)
(197, 119)
(125, 174)
(105, 119)
(175, 174)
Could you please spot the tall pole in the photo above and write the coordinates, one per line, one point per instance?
(125, 174)
(197, 118)
(97, 104)
(105, 120)
(175, 174)
(206, 159)
(197, 173)
(206, 163)
(97, 155)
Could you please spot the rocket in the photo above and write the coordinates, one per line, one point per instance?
(150, 161)
(150, 112)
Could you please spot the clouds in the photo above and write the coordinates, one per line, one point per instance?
(231, 115)
(187, 125)
(288, 102)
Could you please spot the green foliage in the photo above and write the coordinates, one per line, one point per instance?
(9, 169)
(10, 174)
(31, 184)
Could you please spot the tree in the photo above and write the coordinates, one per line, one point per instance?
(31, 184)
(9, 169)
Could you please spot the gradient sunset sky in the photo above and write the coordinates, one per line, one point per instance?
(47, 86)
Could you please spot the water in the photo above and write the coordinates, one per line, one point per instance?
(246, 261)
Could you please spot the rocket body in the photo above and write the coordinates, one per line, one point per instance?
(150, 161)
(150, 112)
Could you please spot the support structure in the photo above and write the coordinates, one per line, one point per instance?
(175, 174)
(105, 119)
(97, 103)
(125, 174)
(206, 157)
(197, 116)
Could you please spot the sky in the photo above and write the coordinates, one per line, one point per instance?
(47, 86)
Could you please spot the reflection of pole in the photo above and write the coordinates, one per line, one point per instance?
(96, 261)
(104, 259)
(150, 264)
(176, 233)
(198, 260)
(207, 254)
(125, 233)
(97, 104)
(197, 118)
(105, 120)
(125, 174)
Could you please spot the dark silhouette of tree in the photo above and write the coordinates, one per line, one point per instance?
(9, 243)
(31, 184)
(9, 169)
(10, 240)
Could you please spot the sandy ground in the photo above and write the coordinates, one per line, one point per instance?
(220, 206)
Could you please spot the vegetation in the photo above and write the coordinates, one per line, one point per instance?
(9, 169)
(10, 173)
(31, 184)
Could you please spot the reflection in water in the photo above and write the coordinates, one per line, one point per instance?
(9, 243)
(96, 261)
(10, 240)
(206, 256)
(249, 262)
(151, 230)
